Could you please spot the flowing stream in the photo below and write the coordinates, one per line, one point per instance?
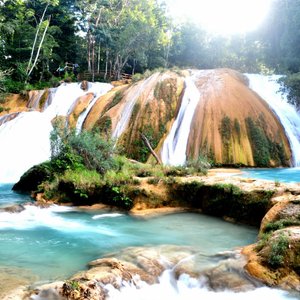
(268, 88)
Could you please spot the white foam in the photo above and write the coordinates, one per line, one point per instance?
(186, 288)
(102, 216)
(52, 217)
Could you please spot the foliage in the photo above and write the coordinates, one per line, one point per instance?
(259, 143)
(279, 246)
(75, 151)
(199, 165)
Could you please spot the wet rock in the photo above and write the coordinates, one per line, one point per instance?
(283, 214)
(276, 260)
(33, 178)
(84, 85)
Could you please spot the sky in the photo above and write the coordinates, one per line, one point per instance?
(224, 17)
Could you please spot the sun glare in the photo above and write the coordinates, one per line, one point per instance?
(222, 16)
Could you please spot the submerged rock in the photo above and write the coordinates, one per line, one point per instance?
(137, 266)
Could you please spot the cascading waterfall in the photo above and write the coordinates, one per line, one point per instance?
(127, 110)
(268, 87)
(25, 139)
(174, 147)
(98, 89)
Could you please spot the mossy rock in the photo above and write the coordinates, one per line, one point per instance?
(282, 250)
(31, 179)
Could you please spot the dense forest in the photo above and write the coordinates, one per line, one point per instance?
(38, 37)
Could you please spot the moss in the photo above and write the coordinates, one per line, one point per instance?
(237, 129)
(226, 131)
(116, 100)
(280, 224)
(264, 148)
(44, 99)
(103, 125)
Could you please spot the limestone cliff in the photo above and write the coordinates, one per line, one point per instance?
(231, 125)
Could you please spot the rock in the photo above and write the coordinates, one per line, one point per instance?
(80, 105)
(32, 178)
(276, 261)
(84, 85)
(14, 209)
(286, 212)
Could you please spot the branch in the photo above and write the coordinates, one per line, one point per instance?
(147, 144)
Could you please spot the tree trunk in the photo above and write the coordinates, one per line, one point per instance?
(134, 65)
(35, 38)
(39, 48)
(106, 64)
(147, 144)
(93, 58)
(89, 52)
(99, 58)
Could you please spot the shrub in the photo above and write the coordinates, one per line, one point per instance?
(199, 165)
(278, 249)
(76, 151)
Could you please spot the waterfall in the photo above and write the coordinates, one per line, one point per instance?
(268, 87)
(25, 139)
(174, 147)
(98, 89)
(128, 108)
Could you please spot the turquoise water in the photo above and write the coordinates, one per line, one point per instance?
(8, 197)
(281, 174)
(56, 242)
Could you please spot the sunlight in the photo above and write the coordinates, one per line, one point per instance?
(222, 16)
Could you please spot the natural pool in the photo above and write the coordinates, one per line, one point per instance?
(278, 174)
(55, 242)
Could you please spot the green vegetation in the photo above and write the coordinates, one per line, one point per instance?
(280, 224)
(279, 245)
(290, 85)
(84, 169)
